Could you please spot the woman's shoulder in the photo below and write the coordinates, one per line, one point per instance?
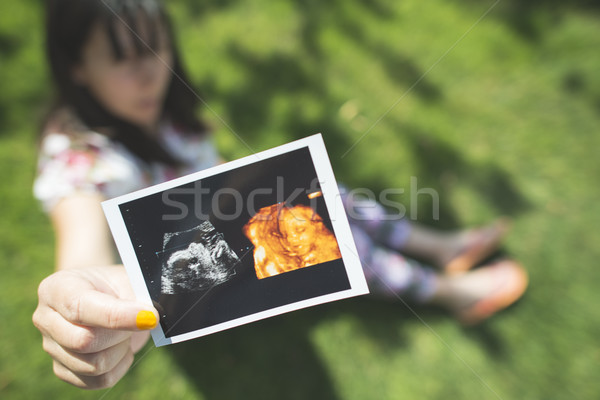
(74, 159)
(63, 129)
(63, 119)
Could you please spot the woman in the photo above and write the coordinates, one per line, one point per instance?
(124, 119)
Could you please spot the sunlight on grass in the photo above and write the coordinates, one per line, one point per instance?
(505, 124)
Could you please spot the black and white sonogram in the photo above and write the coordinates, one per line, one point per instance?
(196, 259)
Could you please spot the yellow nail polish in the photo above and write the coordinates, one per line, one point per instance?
(145, 320)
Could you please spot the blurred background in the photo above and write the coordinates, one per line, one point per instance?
(500, 117)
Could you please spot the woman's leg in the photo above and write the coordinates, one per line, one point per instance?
(471, 297)
(476, 295)
(453, 251)
(391, 275)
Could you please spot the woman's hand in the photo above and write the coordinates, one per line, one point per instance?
(91, 324)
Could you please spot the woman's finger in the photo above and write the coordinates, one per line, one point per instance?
(95, 382)
(77, 338)
(90, 364)
(84, 304)
(138, 340)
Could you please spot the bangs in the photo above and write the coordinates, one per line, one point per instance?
(143, 22)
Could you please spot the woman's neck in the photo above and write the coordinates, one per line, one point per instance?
(151, 130)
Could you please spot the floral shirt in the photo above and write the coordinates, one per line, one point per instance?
(89, 162)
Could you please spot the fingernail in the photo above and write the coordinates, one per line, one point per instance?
(145, 320)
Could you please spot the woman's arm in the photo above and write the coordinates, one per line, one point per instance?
(82, 235)
(87, 313)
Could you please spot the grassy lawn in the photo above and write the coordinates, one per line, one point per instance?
(500, 117)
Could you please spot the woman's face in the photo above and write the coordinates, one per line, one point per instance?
(133, 88)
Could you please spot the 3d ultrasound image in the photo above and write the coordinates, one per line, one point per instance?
(195, 260)
(288, 238)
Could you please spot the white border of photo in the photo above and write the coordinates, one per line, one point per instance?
(341, 228)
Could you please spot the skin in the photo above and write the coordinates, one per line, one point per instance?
(90, 330)
(133, 88)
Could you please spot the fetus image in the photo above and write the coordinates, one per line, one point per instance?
(288, 238)
(196, 259)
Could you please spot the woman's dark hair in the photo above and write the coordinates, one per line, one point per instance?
(68, 25)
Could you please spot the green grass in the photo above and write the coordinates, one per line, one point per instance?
(507, 122)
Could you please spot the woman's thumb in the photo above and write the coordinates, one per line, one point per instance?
(146, 319)
(83, 297)
(98, 309)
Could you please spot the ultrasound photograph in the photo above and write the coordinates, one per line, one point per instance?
(196, 259)
(239, 242)
(287, 238)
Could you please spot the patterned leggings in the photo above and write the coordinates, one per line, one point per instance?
(379, 238)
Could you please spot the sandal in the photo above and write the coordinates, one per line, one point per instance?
(481, 244)
(512, 282)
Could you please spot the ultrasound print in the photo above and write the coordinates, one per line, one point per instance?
(196, 260)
